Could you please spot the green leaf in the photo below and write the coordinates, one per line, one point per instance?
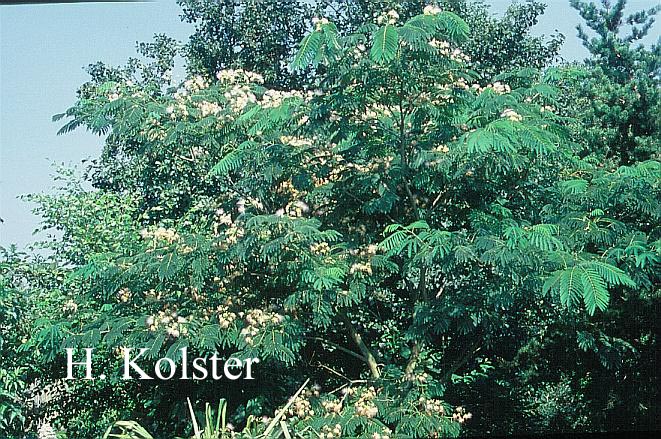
(573, 187)
(308, 51)
(386, 43)
(454, 26)
(231, 162)
(168, 266)
(595, 294)
(611, 274)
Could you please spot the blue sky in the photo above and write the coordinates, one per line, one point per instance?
(43, 49)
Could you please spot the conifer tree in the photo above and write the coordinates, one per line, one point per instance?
(621, 89)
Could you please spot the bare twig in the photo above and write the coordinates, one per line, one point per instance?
(282, 411)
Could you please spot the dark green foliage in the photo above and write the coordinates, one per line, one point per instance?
(259, 36)
(263, 36)
(386, 214)
(620, 87)
(501, 44)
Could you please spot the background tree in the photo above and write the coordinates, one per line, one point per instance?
(620, 89)
(262, 36)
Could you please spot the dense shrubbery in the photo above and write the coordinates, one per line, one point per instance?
(412, 225)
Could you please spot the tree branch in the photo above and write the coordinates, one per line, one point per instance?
(462, 359)
(356, 337)
(421, 292)
(339, 348)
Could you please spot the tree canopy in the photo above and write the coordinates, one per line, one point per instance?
(393, 206)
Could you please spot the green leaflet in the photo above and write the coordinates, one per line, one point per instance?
(308, 50)
(587, 282)
(385, 44)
